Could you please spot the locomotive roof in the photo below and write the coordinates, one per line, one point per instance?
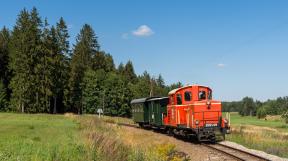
(177, 89)
(141, 100)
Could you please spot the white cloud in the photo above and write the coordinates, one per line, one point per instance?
(221, 65)
(143, 31)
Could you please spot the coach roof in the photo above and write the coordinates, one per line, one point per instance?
(158, 98)
(141, 100)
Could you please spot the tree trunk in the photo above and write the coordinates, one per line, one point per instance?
(55, 105)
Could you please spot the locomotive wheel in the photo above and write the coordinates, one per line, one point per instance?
(169, 132)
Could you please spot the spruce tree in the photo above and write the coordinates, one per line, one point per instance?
(93, 90)
(129, 72)
(26, 60)
(59, 64)
(3, 97)
(120, 69)
(5, 74)
(85, 49)
(109, 63)
(20, 62)
(38, 89)
(46, 67)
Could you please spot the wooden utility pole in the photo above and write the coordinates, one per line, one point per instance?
(103, 102)
(151, 88)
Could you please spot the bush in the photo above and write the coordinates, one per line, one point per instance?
(261, 113)
(285, 116)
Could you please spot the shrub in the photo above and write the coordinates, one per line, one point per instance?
(261, 113)
(285, 116)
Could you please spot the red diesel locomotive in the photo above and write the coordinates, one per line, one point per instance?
(188, 111)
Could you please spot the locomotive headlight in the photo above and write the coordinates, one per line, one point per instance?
(197, 122)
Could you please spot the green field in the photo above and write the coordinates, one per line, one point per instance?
(35, 137)
(276, 123)
(39, 137)
(269, 135)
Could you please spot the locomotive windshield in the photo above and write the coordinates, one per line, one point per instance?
(205, 94)
(202, 95)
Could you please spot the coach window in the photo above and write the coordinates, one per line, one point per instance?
(179, 99)
(202, 95)
(187, 96)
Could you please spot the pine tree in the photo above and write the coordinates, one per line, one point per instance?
(143, 86)
(46, 67)
(20, 61)
(85, 49)
(160, 81)
(129, 72)
(104, 61)
(26, 61)
(5, 74)
(59, 63)
(98, 61)
(109, 63)
(93, 90)
(3, 99)
(38, 89)
(120, 69)
(62, 37)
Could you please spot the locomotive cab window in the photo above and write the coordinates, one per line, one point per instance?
(179, 99)
(210, 95)
(202, 95)
(187, 96)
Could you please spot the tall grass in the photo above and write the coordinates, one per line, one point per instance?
(105, 142)
(266, 135)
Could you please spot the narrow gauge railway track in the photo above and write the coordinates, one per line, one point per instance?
(238, 154)
(235, 153)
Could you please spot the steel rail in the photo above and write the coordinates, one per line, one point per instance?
(235, 150)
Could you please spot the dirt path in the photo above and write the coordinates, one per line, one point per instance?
(140, 137)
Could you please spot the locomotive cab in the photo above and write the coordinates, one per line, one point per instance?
(192, 111)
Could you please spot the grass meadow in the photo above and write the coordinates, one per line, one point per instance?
(39, 137)
(269, 135)
(70, 137)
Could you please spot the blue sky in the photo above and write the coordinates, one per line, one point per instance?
(238, 48)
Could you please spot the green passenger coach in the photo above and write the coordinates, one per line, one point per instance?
(149, 111)
(157, 110)
(140, 111)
